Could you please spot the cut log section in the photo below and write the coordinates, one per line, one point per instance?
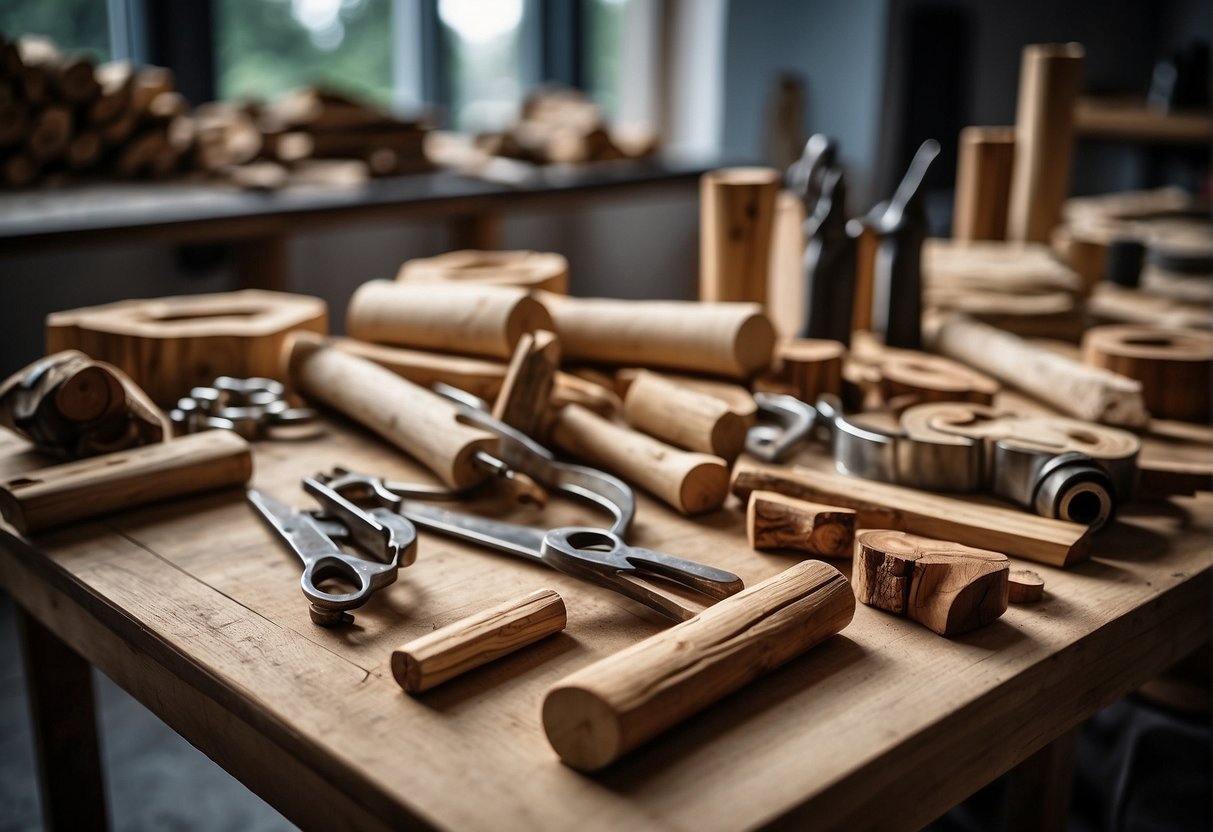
(525, 269)
(683, 417)
(947, 587)
(1172, 365)
(775, 521)
(1025, 586)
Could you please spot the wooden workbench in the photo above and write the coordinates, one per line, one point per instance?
(194, 607)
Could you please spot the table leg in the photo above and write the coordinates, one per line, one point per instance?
(481, 231)
(60, 687)
(262, 263)
(1038, 792)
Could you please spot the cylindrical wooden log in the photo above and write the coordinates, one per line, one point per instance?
(50, 134)
(692, 483)
(683, 417)
(466, 644)
(1089, 393)
(62, 494)
(738, 398)
(473, 320)
(736, 215)
(1050, 77)
(603, 711)
(20, 170)
(85, 150)
(983, 183)
(525, 269)
(774, 521)
(734, 340)
(420, 423)
(811, 367)
(1173, 365)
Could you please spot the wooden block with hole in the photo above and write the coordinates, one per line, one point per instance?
(947, 587)
(775, 521)
(168, 345)
(1173, 365)
(525, 269)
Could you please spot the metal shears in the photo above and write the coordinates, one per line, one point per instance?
(598, 556)
(383, 534)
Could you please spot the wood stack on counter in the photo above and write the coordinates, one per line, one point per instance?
(64, 115)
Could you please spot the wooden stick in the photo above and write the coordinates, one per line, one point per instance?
(736, 213)
(420, 423)
(473, 320)
(524, 269)
(683, 417)
(603, 711)
(1024, 586)
(866, 245)
(880, 505)
(1172, 365)
(1049, 81)
(774, 521)
(734, 340)
(737, 398)
(87, 488)
(450, 651)
(526, 393)
(692, 483)
(1068, 385)
(983, 183)
(945, 586)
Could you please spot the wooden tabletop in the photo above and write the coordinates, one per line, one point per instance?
(194, 607)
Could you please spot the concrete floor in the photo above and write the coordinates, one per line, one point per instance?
(155, 780)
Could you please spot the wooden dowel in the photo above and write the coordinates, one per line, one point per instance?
(775, 521)
(603, 711)
(866, 245)
(736, 215)
(683, 417)
(1050, 79)
(450, 651)
(692, 483)
(1089, 393)
(880, 505)
(738, 398)
(811, 366)
(983, 183)
(472, 320)
(100, 485)
(734, 340)
(415, 420)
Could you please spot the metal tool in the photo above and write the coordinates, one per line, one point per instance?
(1052, 481)
(251, 407)
(518, 453)
(829, 264)
(597, 556)
(897, 281)
(383, 534)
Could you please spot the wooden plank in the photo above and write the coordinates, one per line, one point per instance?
(1131, 120)
(187, 616)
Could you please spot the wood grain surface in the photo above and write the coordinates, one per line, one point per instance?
(195, 608)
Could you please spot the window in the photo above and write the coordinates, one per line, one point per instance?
(482, 56)
(603, 52)
(265, 47)
(75, 25)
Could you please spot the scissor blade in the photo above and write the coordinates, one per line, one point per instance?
(513, 538)
(297, 528)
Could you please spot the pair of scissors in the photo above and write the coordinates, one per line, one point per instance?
(598, 556)
(383, 534)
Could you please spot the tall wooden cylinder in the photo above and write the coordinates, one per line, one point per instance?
(983, 183)
(736, 215)
(1050, 76)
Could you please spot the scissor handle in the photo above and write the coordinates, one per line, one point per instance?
(366, 575)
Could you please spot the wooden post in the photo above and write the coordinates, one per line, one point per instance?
(60, 688)
(1038, 793)
(983, 183)
(1049, 79)
(736, 214)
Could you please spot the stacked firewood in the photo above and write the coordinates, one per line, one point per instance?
(62, 113)
(558, 124)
